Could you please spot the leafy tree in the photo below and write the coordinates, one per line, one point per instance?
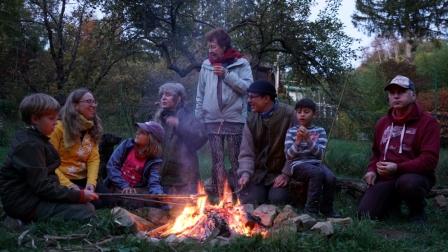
(408, 19)
(431, 61)
(261, 29)
(20, 43)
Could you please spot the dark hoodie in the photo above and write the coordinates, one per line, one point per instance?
(27, 177)
(413, 143)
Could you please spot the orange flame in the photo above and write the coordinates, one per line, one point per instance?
(187, 224)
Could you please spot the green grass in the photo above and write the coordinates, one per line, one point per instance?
(344, 157)
(363, 235)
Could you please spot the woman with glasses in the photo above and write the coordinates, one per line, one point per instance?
(76, 139)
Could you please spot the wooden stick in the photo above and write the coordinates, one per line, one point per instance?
(151, 196)
(153, 200)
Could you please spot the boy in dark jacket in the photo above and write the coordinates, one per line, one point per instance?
(405, 154)
(29, 187)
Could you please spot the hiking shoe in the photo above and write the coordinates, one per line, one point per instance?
(331, 214)
(13, 224)
(312, 213)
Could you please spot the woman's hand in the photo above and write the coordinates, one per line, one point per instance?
(90, 188)
(244, 179)
(172, 121)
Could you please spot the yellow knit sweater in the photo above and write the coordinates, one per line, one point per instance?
(79, 161)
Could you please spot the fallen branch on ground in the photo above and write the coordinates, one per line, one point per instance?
(357, 187)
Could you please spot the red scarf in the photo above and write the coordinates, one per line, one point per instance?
(229, 57)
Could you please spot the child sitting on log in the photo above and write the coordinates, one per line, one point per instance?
(134, 165)
(305, 145)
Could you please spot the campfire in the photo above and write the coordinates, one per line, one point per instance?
(204, 220)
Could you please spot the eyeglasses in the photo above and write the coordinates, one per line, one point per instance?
(252, 96)
(90, 101)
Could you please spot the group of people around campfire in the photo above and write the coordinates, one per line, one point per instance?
(52, 168)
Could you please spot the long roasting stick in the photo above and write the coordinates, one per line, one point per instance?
(152, 200)
(152, 196)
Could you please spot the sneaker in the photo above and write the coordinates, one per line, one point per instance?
(311, 213)
(331, 214)
(13, 224)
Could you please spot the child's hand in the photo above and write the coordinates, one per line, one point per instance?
(90, 187)
(89, 196)
(298, 138)
(304, 133)
(129, 190)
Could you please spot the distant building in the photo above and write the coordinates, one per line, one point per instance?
(324, 108)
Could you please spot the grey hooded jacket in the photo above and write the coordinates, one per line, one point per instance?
(234, 86)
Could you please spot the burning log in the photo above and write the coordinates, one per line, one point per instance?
(205, 222)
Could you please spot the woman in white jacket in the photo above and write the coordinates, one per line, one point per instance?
(221, 103)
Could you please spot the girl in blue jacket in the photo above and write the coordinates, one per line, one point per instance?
(134, 165)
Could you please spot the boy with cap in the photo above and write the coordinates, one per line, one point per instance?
(262, 168)
(405, 153)
(305, 145)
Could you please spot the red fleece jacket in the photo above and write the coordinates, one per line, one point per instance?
(414, 148)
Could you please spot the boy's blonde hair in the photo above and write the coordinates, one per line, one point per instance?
(38, 104)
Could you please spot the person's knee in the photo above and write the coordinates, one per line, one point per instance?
(368, 211)
(330, 179)
(252, 195)
(250, 199)
(278, 196)
(369, 207)
(86, 211)
(411, 186)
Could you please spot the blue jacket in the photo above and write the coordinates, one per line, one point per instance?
(150, 178)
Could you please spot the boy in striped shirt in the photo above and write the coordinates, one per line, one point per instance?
(304, 148)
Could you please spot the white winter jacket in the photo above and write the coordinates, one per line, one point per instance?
(234, 86)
